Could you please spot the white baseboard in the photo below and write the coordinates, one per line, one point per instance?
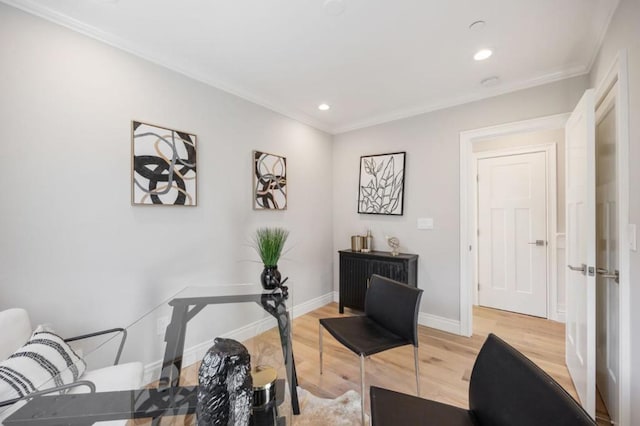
(313, 304)
(439, 323)
(197, 352)
(336, 297)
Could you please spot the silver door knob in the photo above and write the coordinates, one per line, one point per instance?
(582, 268)
(538, 242)
(604, 273)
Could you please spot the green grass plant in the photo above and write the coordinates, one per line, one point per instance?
(269, 243)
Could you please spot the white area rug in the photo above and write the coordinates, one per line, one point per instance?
(341, 411)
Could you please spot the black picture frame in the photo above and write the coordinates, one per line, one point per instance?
(381, 184)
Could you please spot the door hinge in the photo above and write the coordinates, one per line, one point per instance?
(477, 178)
(478, 232)
(478, 286)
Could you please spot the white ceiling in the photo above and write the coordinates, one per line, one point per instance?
(377, 61)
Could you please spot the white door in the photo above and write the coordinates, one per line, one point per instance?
(607, 286)
(512, 233)
(581, 251)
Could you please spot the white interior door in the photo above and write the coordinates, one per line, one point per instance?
(581, 250)
(512, 233)
(607, 284)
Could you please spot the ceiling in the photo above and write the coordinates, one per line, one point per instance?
(377, 61)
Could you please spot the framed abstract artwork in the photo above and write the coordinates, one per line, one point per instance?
(163, 166)
(381, 187)
(269, 181)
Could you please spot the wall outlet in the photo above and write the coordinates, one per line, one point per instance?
(425, 223)
(163, 323)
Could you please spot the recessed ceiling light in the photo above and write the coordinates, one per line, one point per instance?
(335, 7)
(490, 81)
(482, 54)
(477, 25)
(324, 107)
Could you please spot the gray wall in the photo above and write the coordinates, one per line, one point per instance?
(74, 252)
(432, 181)
(624, 33)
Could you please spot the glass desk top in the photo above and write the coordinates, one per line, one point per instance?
(169, 341)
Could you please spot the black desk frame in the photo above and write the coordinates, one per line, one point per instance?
(273, 303)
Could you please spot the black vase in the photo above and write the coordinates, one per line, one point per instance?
(270, 278)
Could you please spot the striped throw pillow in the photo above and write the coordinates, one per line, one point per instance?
(45, 361)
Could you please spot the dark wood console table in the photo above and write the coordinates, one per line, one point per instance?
(357, 267)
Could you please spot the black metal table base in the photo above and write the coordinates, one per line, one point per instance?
(185, 309)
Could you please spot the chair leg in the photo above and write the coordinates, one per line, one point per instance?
(417, 367)
(362, 386)
(320, 345)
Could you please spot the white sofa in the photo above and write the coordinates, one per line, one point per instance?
(16, 330)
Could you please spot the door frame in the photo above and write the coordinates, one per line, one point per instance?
(618, 72)
(551, 183)
(468, 243)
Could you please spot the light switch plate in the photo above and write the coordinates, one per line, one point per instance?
(425, 223)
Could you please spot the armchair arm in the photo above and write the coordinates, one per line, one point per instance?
(87, 383)
(100, 333)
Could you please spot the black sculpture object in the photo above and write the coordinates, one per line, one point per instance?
(225, 391)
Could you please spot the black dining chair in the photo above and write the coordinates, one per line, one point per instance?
(505, 389)
(390, 320)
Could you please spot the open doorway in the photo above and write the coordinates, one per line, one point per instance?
(509, 153)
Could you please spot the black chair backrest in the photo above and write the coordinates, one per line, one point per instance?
(394, 306)
(507, 389)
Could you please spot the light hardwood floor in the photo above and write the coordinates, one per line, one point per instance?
(446, 360)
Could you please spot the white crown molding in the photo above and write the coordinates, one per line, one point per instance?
(465, 99)
(51, 15)
(66, 21)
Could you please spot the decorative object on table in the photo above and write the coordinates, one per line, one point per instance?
(394, 243)
(163, 166)
(225, 391)
(264, 385)
(367, 242)
(269, 181)
(381, 188)
(357, 241)
(269, 243)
